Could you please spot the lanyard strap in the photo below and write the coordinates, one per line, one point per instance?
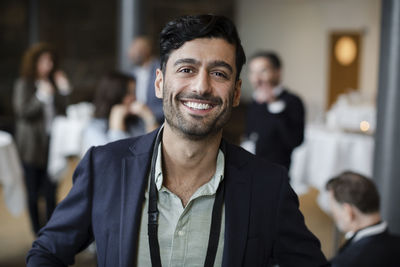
(153, 215)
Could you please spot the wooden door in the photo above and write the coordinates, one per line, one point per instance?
(344, 64)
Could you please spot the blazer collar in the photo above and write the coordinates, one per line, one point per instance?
(135, 170)
(143, 144)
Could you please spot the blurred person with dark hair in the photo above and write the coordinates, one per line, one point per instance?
(39, 95)
(354, 202)
(181, 195)
(145, 65)
(117, 114)
(275, 118)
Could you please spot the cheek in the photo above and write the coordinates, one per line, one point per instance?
(172, 88)
(337, 216)
(45, 66)
(40, 66)
(266, 76)
(252, 77)
(341, 219)
(167, 94)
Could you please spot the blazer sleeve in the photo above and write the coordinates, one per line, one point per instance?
(69, 230)
(295, 244)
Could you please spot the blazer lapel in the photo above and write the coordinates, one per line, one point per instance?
(237, 206)
(135, 177)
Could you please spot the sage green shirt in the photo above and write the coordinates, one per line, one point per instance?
(183, 232)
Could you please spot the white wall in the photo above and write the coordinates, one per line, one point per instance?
(298, 30)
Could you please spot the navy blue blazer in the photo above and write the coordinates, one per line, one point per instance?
(262, 219)
(371, 251)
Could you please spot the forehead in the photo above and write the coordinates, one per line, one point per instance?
(205, 50)
(45, 54)
(260, 62)
(140, 42)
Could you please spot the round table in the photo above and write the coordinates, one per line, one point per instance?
(11, 175)
(326, 153)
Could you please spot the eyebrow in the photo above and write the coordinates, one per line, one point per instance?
(220, 63)
(215, 63)
(186, 61)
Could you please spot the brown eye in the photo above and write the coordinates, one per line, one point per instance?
(220, 74)
(185, 70)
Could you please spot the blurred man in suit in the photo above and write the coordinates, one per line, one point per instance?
(354, 203)
(144, 70)
(275, 118)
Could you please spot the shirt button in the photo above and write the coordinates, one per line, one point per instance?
(181, 233)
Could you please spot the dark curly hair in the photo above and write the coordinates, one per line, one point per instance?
(188, 28)
(31, 57)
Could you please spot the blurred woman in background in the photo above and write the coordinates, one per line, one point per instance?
(117, 114)
(39, 95)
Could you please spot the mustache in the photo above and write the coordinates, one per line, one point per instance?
(205, 97)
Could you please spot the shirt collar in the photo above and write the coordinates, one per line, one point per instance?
(277, 91)
(209, 188)
(367, 231)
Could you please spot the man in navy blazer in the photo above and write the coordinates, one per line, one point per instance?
(250, 213)
(354, 202)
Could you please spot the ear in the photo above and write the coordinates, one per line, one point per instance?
(350, 211)
(158, 83)
(237, 93)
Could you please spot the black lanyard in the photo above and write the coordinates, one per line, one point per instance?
(153, 214)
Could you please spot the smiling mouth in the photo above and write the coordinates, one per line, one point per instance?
(197, 105)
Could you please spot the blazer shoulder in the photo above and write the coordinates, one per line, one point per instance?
(126, 147)
(288, 95)
(241, 158)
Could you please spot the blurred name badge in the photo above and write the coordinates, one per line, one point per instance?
(250, 143)
(276, 107)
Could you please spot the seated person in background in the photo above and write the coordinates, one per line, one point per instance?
(145, 64)
(117, 114)
(275, 118)
(354, 202)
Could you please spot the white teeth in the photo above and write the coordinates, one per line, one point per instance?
(196, 105)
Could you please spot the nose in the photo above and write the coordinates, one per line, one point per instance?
(202, 83)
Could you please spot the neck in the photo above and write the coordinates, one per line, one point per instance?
(188, 164)
(366, 220)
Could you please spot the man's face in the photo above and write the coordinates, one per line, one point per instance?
(340, 214)
(199, 87)
(262, 75)
(139, 51)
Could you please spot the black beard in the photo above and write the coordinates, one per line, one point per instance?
(195, 130)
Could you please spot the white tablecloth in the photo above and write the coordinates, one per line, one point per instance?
(66, 138)
(325, 154)
(11, 175)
